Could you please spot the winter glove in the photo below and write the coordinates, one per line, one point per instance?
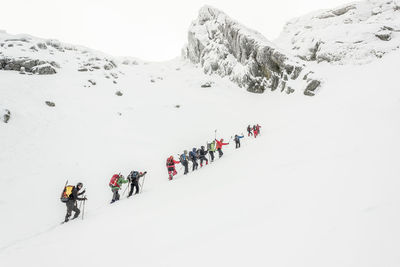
(145, 172)
(85, 198)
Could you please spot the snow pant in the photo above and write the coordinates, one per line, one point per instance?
(134, 185)
(171, 172)
(115, 195)
(71, 207)
(195, 164)
(237, 144)
(220, 152)
(186, 165)
(202, 158)
(212, 155)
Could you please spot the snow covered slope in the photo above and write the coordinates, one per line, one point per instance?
(350, 34)
(318, 188)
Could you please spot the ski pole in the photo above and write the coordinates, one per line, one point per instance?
(141, 186)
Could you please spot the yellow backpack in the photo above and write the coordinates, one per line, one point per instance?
(66, 192)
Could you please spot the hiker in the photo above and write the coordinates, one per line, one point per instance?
(184, 161)
(220, 143)
(255, 131)
(193, 158)
(237, 140)
(133, 178)
(249, 129)
(115, 183)
(258, 129)
(202, 156)
(171, 167)
(71, 203)
(211, 149)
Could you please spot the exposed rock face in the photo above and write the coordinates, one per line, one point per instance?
(351, 34)
(221, 45)
(6, 115)
(28, 65)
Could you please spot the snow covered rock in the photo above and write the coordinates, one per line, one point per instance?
(26, 64)
(50, 104)
(357, 33)
(223, 46)
(6, 115)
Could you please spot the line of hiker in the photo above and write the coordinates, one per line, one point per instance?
(71, 195)
(253, 131)
(200, 154)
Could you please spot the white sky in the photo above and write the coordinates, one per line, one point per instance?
(148, 29)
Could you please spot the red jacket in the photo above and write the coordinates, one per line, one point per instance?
(220, 144)
(171, 164)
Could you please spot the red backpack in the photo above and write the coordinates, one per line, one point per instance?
(114, 181)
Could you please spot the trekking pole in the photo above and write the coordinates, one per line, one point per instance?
(141, 186)
(125, 189)
(215, 135)
(83, 210)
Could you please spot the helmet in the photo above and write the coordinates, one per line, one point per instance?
(194, 149)
(202, 147)
(80, 185)
(140, 173)
(222, 139)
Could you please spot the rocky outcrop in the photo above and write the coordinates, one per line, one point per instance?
(29, 65)
(351, 34)
(5, 115)
(223, 46)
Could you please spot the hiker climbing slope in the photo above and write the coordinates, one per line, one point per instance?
(249, 129)
(219, 146)
(171, 167)
(202, 157)
(72, 195)
(115, 183)
(184, 161)
(237, 140)
(133, 178)
(193, 158)
(211, 149)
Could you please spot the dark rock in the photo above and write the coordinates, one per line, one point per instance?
(118, 93)
(177, 106)
(384, 36)
(92, 82)
(42, 45)
(50, 104)
(44, 69)
(6, 115)
(311, 87)
(206, 85)
(82, 69)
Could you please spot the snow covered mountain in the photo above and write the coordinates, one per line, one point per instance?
(357, 33)
(319, 187)
(223, 46)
